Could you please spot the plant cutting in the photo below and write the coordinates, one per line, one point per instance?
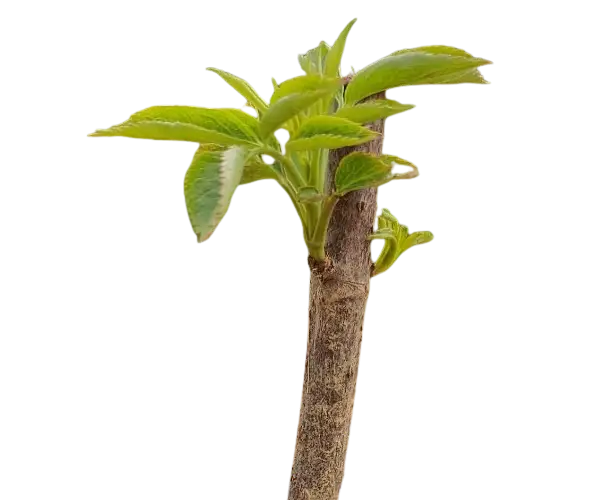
(330, 167)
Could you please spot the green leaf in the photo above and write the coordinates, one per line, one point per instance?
(371, 111)
(389, 219)
(435, 48)
(209, 185)
(294, 96)
(313, 62)
(257, 170)
(390, 160)
(328, 132)
(359, 171)
(334, 57)
(397, 161)
(409, 68)
(244, 88)
(309, 194)
(186, 123)
(416, 238)
(275, 84)
(304, 84)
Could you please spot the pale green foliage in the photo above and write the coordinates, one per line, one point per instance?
(186, 123)
(328, 132)
(313, 62)
(410, 68)
(209, 185)
(371, 111)
(334, 57)
(302, 85)
(396, 240)
(244, 88)
(321, 111)
(256, 170)
(360, 171)
(292, 97)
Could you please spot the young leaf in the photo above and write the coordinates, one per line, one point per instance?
(292, 97)
(371, 111)
(389, 218)
(313, 62)
(309, 194)
(328, 132)
(412, 170)
(334, 57)
(359, 171)
(304, 84)
(397, 161)
(186, 123)
(256, 170)
(382, 234)
(409, 68)
(439, 48)
(209, 185)
(244, 88)
(275, 84)
(416, 238)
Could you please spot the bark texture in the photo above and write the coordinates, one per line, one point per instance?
(339, 288)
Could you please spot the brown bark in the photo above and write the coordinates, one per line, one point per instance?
(339, 287)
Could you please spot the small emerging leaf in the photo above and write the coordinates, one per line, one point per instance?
(371, 111)
(360, 171)
(244, 88)
(275, 84)
(397, 161)
(334, 57)
(417, 238)
(186, 123)
(389, 216)
(313, 62)
(328, 132)
(411, 174)
(209, 185)
(382, 234)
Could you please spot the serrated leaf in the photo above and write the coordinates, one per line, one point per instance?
(409, 68)
(360, 171)
(328, 132)
(304, 84)
(244, 88)
(434, 48)
(285, 109)
(209, 185)
(187, 123)
(309, 194)
(371, 111)
(467, 76)
(334, 57)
